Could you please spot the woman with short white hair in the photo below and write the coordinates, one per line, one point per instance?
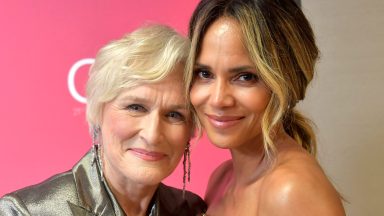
(141, 126)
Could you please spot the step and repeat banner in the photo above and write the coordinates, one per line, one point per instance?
(46, 48)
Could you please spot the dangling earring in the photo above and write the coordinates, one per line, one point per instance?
(96, 149)
(186, 167)
(95, 143)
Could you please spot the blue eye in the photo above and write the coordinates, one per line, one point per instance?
(136, 108)
(175, 117)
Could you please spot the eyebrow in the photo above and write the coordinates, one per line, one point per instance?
(145, 101)
(231, 70)
(134, 98)
(179, 107)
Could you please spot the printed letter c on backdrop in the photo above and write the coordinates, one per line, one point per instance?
(71, 78)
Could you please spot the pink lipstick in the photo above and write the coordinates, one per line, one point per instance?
(223, 122)
(147, 155)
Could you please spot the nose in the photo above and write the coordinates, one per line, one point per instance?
(151, 130)
(221, 94)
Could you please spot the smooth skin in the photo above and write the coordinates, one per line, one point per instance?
(230, 100)
(145, 130)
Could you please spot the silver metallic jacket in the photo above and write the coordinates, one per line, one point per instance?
(81, 191)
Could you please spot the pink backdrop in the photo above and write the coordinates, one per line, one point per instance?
(42, 126)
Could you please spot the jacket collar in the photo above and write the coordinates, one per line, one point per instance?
(94, 196)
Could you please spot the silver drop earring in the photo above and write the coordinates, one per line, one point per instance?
(95, 143)
(96, 149)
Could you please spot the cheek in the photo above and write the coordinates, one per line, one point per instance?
(184, 134)
(255, 100)
(179, 137)
(119, 127)
(123, 129)
(197, 95)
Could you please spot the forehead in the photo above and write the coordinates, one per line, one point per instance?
(223, 44)
(225, 32)
(224, 26)
(169, 89)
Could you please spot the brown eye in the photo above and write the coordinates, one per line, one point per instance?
(203, 74)
(248, 77)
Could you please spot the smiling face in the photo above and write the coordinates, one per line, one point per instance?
(144, 132)
(227, 94)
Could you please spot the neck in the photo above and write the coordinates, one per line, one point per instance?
(250, 162)
(133, 199)
(248, 165)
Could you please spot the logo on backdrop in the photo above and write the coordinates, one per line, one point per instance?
(71, 79)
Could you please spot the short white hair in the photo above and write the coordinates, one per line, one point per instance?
(148, 54)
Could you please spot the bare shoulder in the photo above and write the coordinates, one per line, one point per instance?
(218, 179)
(298, 186)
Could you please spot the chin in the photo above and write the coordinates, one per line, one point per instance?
(149, 176)
(222, 145)
(220, 142)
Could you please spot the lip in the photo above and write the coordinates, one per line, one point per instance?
(223, 122)
(147, 155)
